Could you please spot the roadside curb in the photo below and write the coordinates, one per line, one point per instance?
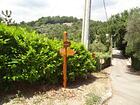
(109, 92)
(106, 97)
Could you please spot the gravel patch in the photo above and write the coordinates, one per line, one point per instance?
(97, 84)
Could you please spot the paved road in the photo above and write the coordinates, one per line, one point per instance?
(125, 84)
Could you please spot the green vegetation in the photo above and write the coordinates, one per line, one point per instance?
(33, 56)
(30, 57)
(115, 27)
(125, 32)
(92, 99)
(132, 38)
(53, 20)
(97, 47)
(99, 42)
(124, 28)
(53, 27)
(118, 28)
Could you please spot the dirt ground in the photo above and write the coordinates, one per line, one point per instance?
(82, 92)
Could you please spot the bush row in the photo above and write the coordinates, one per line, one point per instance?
(27, 56)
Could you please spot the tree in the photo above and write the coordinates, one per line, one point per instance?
(133, 38)
(117, 28)
(53, 27)
(6, 18)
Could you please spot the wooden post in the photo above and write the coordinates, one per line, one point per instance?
(65, 63)
(64, 52)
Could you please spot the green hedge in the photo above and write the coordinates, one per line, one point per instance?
(27, 56)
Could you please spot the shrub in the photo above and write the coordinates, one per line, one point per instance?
(92, 99)
(81, 63)
(97, 47)
(27, 56)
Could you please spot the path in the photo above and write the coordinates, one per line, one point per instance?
(125, 84)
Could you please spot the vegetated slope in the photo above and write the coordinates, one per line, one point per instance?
(53, 27)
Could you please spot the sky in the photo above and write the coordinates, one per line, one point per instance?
(29, 10)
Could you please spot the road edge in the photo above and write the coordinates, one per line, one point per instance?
(109, 92)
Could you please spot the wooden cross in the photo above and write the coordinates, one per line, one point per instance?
(65, 51)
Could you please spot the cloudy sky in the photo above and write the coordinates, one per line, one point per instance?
(28, 10)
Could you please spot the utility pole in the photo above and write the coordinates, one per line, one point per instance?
(85, 25)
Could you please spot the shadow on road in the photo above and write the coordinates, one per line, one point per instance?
(118, 56)
(132, 71)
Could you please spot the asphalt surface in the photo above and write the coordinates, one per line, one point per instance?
(125, 84)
